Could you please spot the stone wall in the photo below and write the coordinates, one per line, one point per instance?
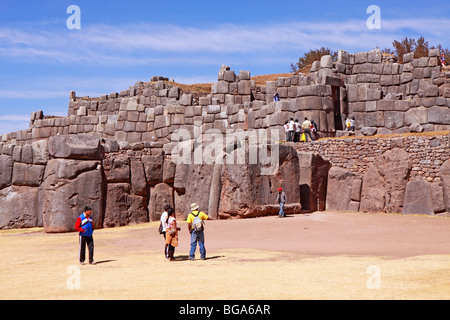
(427, 153)
(396, 174)
(120, 146)
(383, 97)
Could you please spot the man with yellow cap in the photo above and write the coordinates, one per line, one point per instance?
(196, 228)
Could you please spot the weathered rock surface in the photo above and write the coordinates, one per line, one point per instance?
(245, 188)
(444, 172)
(313, 171)
(418, 198)
(123, 207)
(69, 186)
(19, 207)
(384, 183)
(6, 170)
(340, 189)
(75, 147)
(160, 195)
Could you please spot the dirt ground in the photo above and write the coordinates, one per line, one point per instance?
(326, 255)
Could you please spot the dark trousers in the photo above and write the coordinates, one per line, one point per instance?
(170, 251)
(89, 241)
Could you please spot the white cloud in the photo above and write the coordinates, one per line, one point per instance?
(147, 44)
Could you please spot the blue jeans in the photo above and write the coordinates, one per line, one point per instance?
(281, 213)
(200, 238)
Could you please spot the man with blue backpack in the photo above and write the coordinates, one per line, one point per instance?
(84, 226)
(196, 228)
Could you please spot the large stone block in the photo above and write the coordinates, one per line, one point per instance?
(309, 103)
(374, 119)
(19, 207)
(153, 166)
(123, 208)
(313, 180)
(418, 198)
(444, 173)
(160, 196)
(326, 62)
(138, 179)
(416, 115)
(75, 147)
(394, 119)
(6, 170)
(244, 87)
(27, 174)
(117, 168)
(440, 115)
(69, 186)
(222, 87)
(40, 152)
(385, 181)
(244, 188)
(192, 183)
(303, 91)
(339, 189)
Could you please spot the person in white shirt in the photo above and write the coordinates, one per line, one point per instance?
(298, 130)
(163, 220)
(286, 130)
(171, 234)
(291, 130)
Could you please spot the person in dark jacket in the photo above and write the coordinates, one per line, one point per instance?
(281, 199)
(84, 225)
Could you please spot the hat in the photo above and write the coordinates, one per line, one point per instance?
(280, 189)
(194, 206)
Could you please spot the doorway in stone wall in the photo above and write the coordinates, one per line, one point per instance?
(338, 122)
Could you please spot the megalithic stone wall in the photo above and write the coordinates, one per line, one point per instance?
(122, 142)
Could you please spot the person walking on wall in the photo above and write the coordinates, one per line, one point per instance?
(281, 199)
(286, 130)
(276, 97)
(314, 130)
(171, 234)
(196, 228)
(298, 131)
(291, 130)
(84, 225)
(443, 60)
(306, 126)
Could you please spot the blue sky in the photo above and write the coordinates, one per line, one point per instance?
(121, 42)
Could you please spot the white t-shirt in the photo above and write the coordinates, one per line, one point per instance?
(170, 223)
(163, 220)
(291, 125)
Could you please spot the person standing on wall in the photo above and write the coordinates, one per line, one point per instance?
(84, 225)
(286, 130)
(196, 228)
(291, 130)
(276, 97)
(298, 130)
(443, 60)
(306, 126)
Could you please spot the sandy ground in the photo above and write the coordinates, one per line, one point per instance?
(324, 255)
